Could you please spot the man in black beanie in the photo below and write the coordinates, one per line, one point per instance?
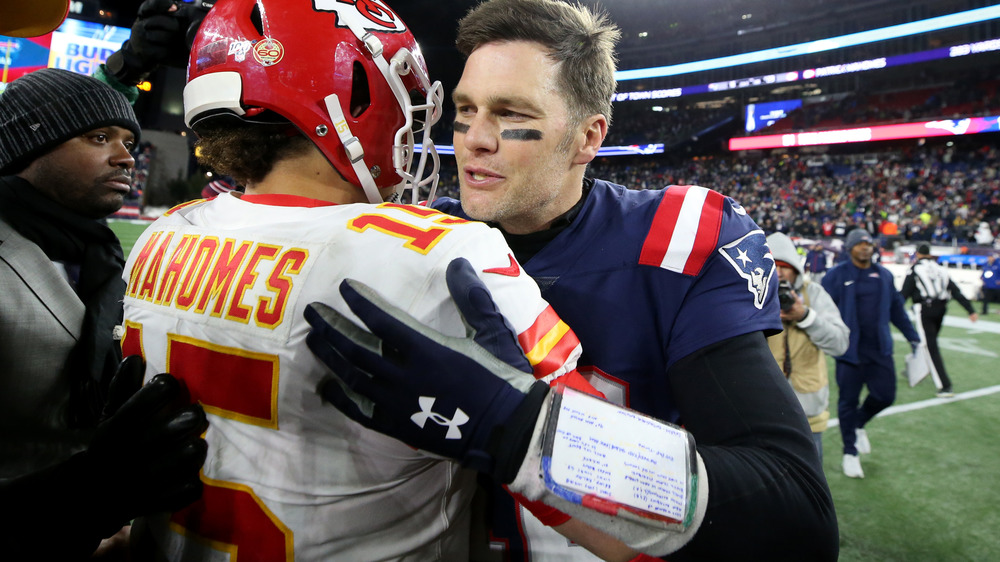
(65, 455)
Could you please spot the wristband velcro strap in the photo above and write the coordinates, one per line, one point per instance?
(509, 443)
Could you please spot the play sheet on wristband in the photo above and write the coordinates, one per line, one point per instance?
(613, 459)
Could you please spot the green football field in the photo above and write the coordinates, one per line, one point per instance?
(931, 490)
(128, 231)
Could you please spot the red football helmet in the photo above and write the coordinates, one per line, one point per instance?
(347, 73)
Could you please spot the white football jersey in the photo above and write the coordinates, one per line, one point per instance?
(216, 292)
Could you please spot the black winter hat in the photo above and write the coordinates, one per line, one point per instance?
(855, 237)
(50, 106)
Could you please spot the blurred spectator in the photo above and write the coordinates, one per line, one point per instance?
(983, 235)
(218, 186)
(816, 262)
(991, 282)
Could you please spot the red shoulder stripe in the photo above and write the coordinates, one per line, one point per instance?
(685, 229)
(654, 249)
(708, 232)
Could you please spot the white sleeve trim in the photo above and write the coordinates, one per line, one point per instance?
(808, 320)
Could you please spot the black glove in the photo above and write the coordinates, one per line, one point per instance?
(159, 37)
(144, 457)
(149, 448)
(470, 399)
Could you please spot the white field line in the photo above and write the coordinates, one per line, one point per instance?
(928, 403)
(983, 325)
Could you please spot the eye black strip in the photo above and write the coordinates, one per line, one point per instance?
(460, 127)
(521, 134)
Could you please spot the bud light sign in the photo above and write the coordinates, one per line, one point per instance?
(80, 46)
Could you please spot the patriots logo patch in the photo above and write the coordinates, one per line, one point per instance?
(752, 260)
(372, 15)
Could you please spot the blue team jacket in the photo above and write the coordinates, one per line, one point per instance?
(840, 282)
(991, 281)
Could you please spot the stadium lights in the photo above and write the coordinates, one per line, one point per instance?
(850, 40)
(954, 51)
(922, 129)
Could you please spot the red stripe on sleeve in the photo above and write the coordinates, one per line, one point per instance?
(654, 249)
(558, 353)
(557, 356)
(543, 324)
(708, 233)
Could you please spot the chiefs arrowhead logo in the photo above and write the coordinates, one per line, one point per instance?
(512, 270)
(373, 15)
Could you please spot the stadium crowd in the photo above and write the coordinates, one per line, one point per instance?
(934, 193)
(973, 93)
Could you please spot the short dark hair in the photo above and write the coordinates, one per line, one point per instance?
(247, 151)
(581, 40)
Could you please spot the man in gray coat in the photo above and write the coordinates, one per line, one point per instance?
(80, 455)
(813, 330)
(64, 166)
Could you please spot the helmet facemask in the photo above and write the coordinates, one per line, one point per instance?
(420, 112)
(419, 119)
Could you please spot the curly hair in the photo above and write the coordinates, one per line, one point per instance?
(247, 151)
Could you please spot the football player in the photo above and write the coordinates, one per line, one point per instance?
(320, 110)
(670, 291)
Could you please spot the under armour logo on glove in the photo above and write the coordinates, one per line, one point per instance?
(483, 377)
(426, 413)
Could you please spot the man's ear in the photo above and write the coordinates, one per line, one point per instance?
(593, 129)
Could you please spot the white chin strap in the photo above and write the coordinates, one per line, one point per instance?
(355, 152)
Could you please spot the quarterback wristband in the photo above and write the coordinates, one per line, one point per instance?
(623, 503)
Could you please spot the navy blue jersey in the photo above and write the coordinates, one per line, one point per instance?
(645, 278)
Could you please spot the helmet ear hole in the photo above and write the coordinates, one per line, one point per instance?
(256, 20)
(361, 97)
